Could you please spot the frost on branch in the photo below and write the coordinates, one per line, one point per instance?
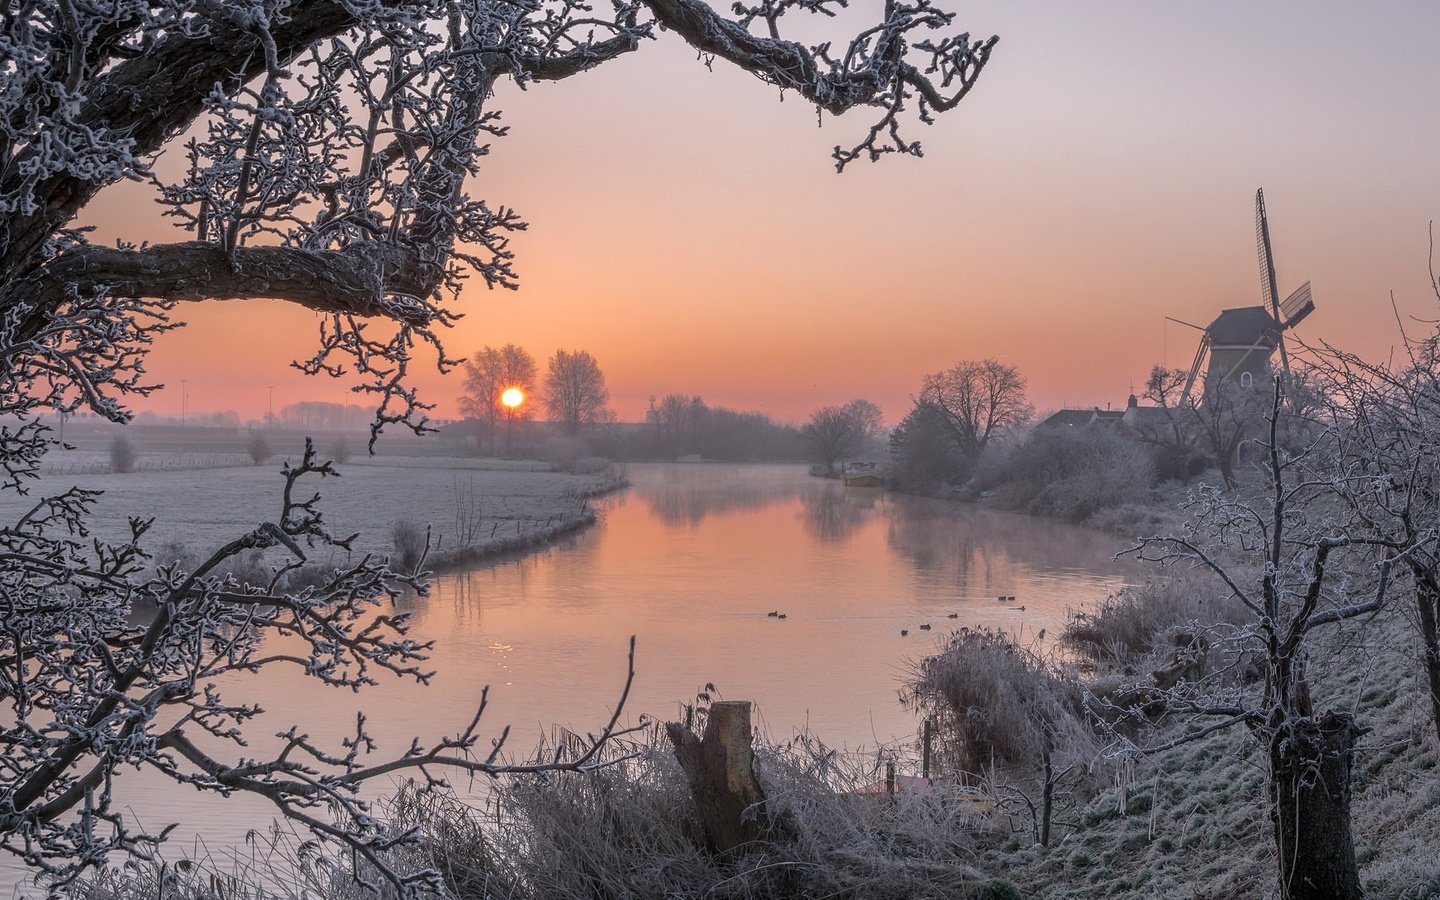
(328, 149)
(1290, 551)
(150, 653)
(348, 130)
(889, 66)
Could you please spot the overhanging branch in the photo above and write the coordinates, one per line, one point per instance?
(359, 280)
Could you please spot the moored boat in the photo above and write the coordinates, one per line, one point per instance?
(862, 474)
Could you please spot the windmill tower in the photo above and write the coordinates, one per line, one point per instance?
(1237, 346)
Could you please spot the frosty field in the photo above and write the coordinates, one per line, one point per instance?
(470, 505)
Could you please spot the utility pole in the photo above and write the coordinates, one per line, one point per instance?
(270, 416)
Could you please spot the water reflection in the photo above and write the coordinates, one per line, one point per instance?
(985, 550)
(694, 558)
(833, 515)
(685, 494)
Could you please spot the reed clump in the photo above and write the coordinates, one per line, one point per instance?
(628, 830)
(1138, 621)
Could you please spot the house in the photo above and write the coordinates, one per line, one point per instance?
(1081, 418)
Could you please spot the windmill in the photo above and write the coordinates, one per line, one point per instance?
(1238, 344)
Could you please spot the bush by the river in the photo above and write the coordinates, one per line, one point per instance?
(1073, 474)
(1133, 623)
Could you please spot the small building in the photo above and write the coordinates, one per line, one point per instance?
(1080, 418)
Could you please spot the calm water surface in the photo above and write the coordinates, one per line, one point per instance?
(690, 560)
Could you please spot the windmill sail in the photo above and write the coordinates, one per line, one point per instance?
(1297, 306)
(1268, 293)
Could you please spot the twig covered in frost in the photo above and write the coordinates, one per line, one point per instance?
(331, 145)
(152, 686)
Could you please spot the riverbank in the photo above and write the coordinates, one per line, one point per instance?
(471, 508)
(1193, 820)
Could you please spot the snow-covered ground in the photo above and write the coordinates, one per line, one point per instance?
(201, 500)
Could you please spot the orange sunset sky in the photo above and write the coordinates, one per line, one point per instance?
(688, 228)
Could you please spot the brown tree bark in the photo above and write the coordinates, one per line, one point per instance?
(1310, 807)
(720, 768)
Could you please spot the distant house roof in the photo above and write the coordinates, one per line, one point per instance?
(1068, 418)
(1153, 422)
(467, 427)
(1148, 415)
(1244, 326)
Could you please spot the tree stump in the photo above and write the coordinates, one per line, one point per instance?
(720, 768)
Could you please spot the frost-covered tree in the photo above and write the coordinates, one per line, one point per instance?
(1389, 418)
(1224, 417)
(327, 146)
(1299, 567)
(1171, 428)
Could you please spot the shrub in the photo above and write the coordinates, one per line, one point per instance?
(410, 542)
(340, 450)
(563, 451)
(1072, 474)
(1011, 720)
(1000, 889)
(1132, 624)
(248, 568)
(175, 553)
(258, 448)
(123, 454)
(995, 702)
(592, 465)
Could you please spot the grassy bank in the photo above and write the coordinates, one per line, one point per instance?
(628, 831)
(471, 508)
(1190, 822)
(1194, 821)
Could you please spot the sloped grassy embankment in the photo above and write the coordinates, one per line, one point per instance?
(1194, 821)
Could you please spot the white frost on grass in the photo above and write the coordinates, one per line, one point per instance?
(201, 508)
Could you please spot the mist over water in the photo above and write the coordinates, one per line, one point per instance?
(690, 560)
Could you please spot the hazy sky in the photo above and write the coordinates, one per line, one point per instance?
(688, 229)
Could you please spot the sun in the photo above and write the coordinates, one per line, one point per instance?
(512, 397)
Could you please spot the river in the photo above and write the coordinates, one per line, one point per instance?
(691, 560)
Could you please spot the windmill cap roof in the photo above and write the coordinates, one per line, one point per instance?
(1245, 326)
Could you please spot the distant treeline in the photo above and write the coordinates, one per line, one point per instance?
(679, 426)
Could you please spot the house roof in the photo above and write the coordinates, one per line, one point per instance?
(1068, 418)
(1244, 326)
(1149, 415)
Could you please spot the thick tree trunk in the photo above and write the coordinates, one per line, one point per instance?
(1310, 807)
(1427, 604)
(721, 772)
